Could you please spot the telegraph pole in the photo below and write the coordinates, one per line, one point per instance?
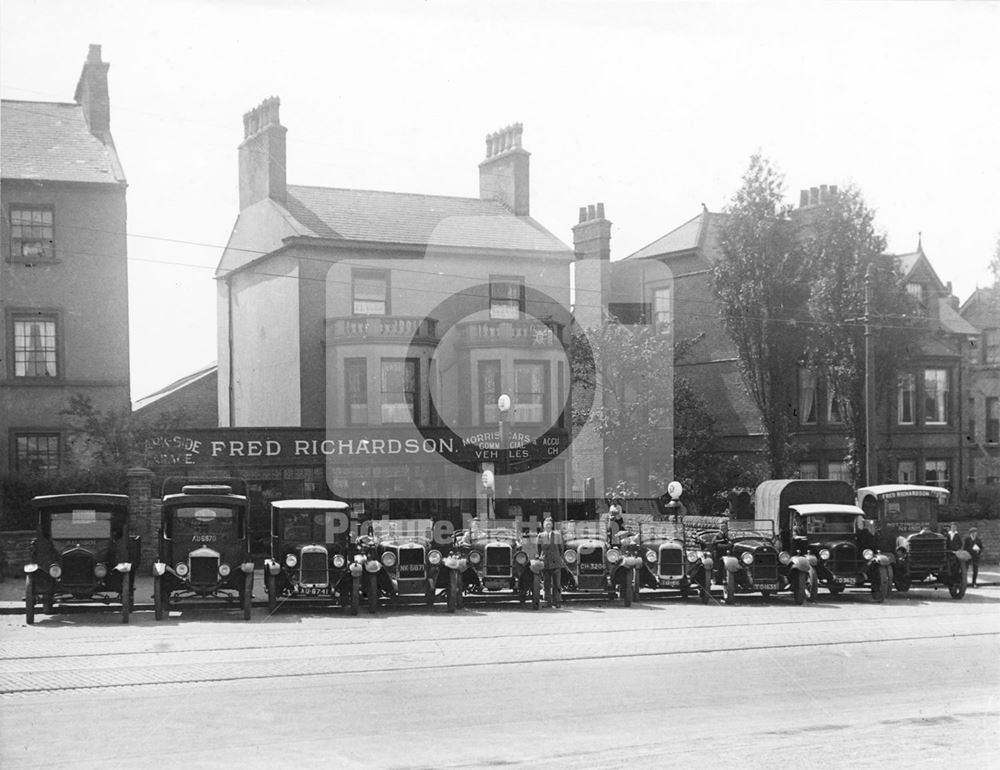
(870, 470)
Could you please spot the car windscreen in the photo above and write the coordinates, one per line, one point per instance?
(760, 529)
(661, 529)
(910, 509)
(493, 533)
(312, 526)
(400, 529)
(81, 524)
(200, 519)
(830, 523)
(581, 529)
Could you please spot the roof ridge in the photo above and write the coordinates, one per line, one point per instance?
(685, 223)
(394, 192)
(35, 101)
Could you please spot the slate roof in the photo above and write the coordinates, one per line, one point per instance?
(175, 386)
(51, 141)
(700, 231)
(407, 218)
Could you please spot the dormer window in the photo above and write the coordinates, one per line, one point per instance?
(916, 290)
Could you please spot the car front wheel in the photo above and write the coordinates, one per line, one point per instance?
(729, 588)
(126, 597)
(158, 597)
(247, 596)
(959, 582)
(29, 599)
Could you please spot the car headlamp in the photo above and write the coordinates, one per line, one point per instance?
(291, 560)
(224, 569)
(614, 556)
(868, 554)
(434, 557)
(784, 557)
(824, 554)
(570, 556)
(692, 556)
(181, 568)
(651, 557)
(338, 561)
(100, 571)
(55, 571)
(747, 558)
(389, 559)
(475, 558)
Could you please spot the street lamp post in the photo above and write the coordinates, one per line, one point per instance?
(501, 486)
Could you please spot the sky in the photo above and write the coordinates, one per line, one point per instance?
(652, 108)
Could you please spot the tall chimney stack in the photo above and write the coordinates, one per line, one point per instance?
(92, 94)
(503, 176)
(262, 155)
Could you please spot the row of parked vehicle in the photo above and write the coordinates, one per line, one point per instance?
(806, 535)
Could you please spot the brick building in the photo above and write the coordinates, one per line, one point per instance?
(63, 273)
(982, 388)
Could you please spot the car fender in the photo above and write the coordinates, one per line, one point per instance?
(355, 569)
(159, 568)
(247, 567)
(536, 566)
(272, 566)
(962, 555)
(883, 560)
(802, 563)
(373, 565)
(707, 562)
(124, 567)
(631, 562)
(29, 568)
(731, 563)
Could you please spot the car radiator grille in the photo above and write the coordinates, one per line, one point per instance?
(498, 560)
(843, 560)
(411, 562)
(927, 553)
(671, 562)
(592, 561)
(313, 570)
(765, 567)
(78, 568)
(204, 569)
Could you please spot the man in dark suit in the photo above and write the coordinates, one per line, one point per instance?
(975, 548)
(550, 551)
(954, 539)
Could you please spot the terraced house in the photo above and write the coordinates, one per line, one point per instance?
(63, 272)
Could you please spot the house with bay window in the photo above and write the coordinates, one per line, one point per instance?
(370, 335)
(63, 273)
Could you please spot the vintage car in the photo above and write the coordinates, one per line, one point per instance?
(411, 562)
(82, 552)
(670, 555)
(904, 520)
(204, 547)
(489, 551)
(593, 565)
(309, 551)
(831, 532)
(745, 557)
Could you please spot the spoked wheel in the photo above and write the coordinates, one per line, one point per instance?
(372, 592)
(355, 594)
(126, 596)
(536, 591)
(959, 585)
(813, 589)
(452, 590)
(29, 599)
(729, 588)
(247, 596)
(799, 587)
(158, 597)
(628, 588)
(271, 584)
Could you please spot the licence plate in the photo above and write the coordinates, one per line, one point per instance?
(669, 581)
(766, 586)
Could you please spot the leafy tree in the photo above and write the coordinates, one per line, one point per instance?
(841, 251)
(762, 292)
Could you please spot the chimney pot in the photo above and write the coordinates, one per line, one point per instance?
(823, 194)
(833, 191)
(813, 196)
(803, 199)
(92, 93)
(600, 211)
(503, 176)
(583, 214)
(262, 155)
(591, 212)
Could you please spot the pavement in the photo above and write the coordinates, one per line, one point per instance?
(12, 593)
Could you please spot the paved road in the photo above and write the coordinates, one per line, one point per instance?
(842, 684)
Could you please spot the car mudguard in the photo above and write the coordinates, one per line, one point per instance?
(962, 555)
(707, 562)
(883, 560)
(123, 567)
(246, 567)
(731, 563)
(373, 565)
(801, 563)
(272, 566)
(355, 569)
(536, 566)
(159, 568)
(29, 568)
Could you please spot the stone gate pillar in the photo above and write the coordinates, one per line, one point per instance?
(144, 516)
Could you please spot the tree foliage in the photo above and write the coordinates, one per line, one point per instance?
(762, 292)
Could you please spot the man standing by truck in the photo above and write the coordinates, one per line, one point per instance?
(975, 548)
